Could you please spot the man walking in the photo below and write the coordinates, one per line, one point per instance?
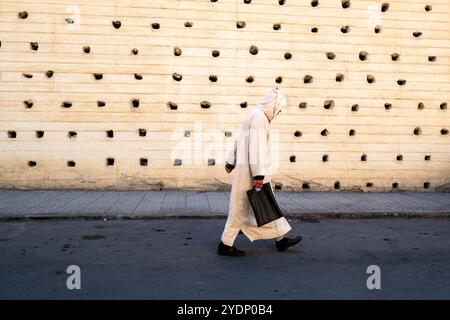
(251, 161)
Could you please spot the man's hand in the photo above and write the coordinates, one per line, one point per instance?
(259, 183)
(228, 170)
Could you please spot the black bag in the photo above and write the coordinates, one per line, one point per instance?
(264, 205)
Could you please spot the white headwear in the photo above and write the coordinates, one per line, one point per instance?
(273, 102)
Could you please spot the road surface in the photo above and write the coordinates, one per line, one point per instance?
(176, 259)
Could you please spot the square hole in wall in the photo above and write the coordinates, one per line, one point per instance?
(142, 132)
(143, 162)
(72, 134)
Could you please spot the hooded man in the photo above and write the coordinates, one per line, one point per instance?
(251, 160)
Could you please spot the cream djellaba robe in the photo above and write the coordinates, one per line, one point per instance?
(252, 157)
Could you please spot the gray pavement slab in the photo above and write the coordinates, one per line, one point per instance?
(290, 202)
(12, 199)
(128, 203)
(30, 205)
(53, 205)
(174, 204)
(435, 197)
(7, 196)
(197, 202)
(78, 203)
(103, 203)
(150, 205)
(218, 202)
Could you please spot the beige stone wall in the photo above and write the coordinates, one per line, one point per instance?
(384, 118)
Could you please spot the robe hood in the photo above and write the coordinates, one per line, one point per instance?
(273, 102)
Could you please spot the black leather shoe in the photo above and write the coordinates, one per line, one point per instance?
(225, 250)
(287, 243)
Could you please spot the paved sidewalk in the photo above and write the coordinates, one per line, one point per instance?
(60, 204)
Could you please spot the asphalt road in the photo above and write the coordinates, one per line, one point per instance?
(176, 259)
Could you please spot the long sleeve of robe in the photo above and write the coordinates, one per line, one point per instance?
(258, 145)
(231, 157)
